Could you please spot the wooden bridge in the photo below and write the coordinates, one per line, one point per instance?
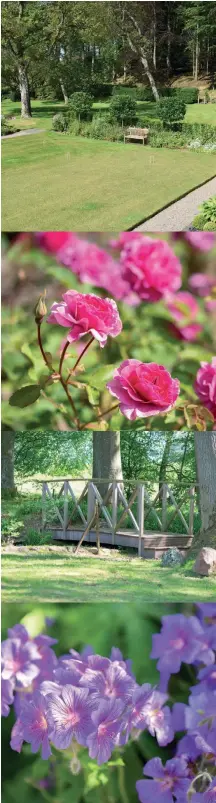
(101, 520)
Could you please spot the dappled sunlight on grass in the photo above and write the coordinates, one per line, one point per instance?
(46, 578)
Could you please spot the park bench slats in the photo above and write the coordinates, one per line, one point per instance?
(137, 134)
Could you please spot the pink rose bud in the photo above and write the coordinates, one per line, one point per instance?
(184, 309)
(143, 389)
(86, 314)
(40, 309)
(205, 385)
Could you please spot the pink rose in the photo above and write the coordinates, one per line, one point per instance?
(205, 385)
(184, 308)
(52, 241)
(202, 284)
(201, 240)
(151, 268)
(143, 389)
(84, 313)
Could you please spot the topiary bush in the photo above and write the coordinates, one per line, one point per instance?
(188, 94)
(59, 122)
(123, 110)
(80, 106)
(171, 110)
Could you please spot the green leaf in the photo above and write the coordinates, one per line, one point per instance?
(25, 396)
(101, 376)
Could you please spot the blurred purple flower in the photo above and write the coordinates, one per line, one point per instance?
(18, 660)
(7, 696)
(168, 781)
(180, 640)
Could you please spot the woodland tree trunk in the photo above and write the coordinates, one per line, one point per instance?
(197, 54)
(168, 58)
(205, 449)
(64, 93)
(24, 92)
(154, 36)
(7, 461)
(139, 50)
(106, 462)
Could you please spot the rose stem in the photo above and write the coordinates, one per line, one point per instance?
(76, 420)
(79, 358)
(102, 415)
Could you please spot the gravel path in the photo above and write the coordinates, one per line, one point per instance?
(179, 216)
(24, 133)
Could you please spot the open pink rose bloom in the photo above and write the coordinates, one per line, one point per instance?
(143, 389)
(205, 385)
(86, 314)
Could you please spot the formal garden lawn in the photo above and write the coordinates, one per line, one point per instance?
(49, 578)
(51, 181)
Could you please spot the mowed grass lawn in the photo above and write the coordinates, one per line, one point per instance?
(52, 578)
(52, 181)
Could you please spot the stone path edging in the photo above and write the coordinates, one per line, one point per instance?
(179, 215)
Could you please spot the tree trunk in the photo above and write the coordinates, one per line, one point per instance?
(205, 450)
(106, 462)
(168, 58)
(7, 461)
(24, 92)
(165, 457)
(144, 61)
(197, 54)
(64, 93)
(154, 36)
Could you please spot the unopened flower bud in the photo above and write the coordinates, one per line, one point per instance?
(75, 765)
(40, 309)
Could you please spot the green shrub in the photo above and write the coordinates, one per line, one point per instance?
(198, 222)
(59, 122)
(98, 90)
(36, 538)
(209, 210)
(123, 110)
(171, 110)
(202, 131)
(166, 139)
(188, 94)
(101, 128)
(207, 96)
(143, 120)
(206, 220)
(80, 106)
(124, 89)
(74, 127)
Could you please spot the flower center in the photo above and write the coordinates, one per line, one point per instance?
(72, 718)
(178, 643)
(13, 665)
(102, 729)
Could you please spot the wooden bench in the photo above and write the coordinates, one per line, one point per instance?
(136, 133)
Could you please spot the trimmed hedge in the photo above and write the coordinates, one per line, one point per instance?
(171, 110)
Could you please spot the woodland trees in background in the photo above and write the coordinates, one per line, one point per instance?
(173, 457)
(52, 49)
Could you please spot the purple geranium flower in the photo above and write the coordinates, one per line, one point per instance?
(209, 796)
(35, 724)
(168, 781)
(107, 725)
(113, 682)
(70, 716)
(17, 737)
(207, 679)
(148, 713)
(7, 696)
(179, 640)
(18, 660)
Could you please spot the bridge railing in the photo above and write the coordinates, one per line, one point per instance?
(119, 504)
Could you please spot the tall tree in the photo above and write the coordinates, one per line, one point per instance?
(22, 33)
(107, 464)
(7, 460)
(205, 448)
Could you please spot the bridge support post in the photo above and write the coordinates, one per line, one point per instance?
(164, 507)
(65, 506)
(114, 509)
(191, 514)
(141, 497)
